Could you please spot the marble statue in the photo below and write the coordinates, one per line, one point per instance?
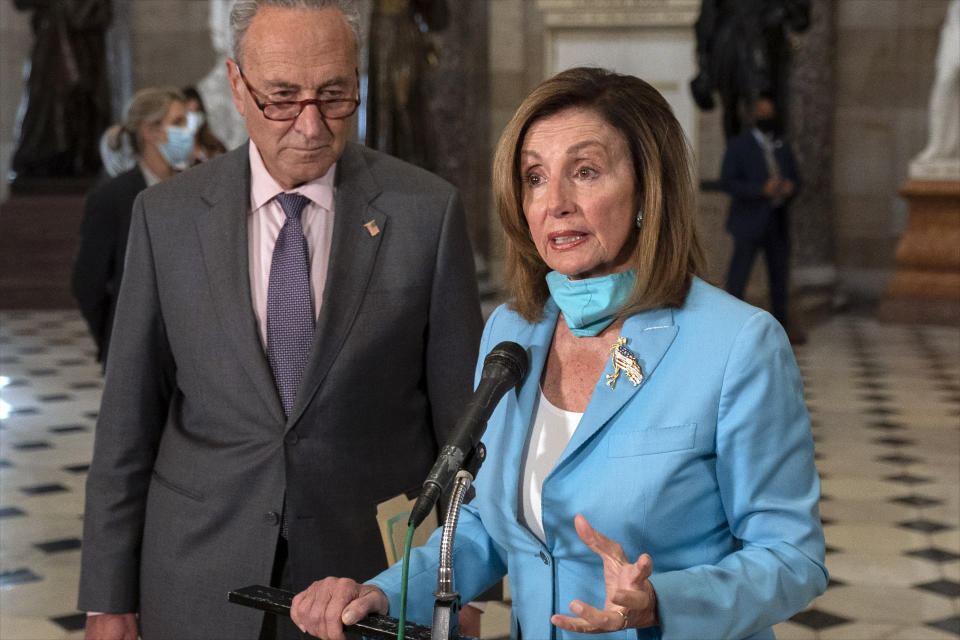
(214, 88)
(66, 105)
(940, 159)
(399, 54)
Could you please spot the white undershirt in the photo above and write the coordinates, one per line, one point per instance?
(549, 435)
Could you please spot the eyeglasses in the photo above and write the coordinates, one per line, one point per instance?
(335, 109)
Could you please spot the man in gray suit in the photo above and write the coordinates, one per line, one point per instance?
(295, 336)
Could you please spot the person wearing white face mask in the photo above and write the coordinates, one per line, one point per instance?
(155, 130)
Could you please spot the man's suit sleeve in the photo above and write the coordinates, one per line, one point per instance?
(455, 323)
(94, 267)
(133, 412)
(735, 176)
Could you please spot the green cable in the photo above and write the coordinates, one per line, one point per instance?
(403, 583)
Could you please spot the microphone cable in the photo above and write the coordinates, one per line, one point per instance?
(402, 621)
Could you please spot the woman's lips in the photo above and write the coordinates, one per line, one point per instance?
(565, 239)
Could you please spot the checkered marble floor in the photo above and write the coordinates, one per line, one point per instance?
(885, 404)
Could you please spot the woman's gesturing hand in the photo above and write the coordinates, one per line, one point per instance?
(325, 606)
(631, 600)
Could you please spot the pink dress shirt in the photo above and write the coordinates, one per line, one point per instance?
(266, 219)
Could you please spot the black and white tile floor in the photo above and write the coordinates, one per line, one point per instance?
(885, 404)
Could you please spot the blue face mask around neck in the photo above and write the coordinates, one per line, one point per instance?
(176, 150)
(590, 305)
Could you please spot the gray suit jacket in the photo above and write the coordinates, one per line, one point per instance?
(193, 455)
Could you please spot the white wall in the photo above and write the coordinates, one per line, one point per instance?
(663, 56)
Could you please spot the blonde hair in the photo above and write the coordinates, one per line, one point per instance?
(668, 253)
(148, 106)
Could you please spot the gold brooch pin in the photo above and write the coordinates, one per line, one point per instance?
(372, 228)
(623, 360)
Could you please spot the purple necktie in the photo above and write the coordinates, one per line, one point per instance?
(289, 306)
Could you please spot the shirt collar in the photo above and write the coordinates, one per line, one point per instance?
(263, 186)
(764, 139)
(148, 176)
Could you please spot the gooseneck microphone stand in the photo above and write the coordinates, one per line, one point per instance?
(446, 607)
(458, 463)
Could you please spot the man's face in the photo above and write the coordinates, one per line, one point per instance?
(296, 54)
(763, 109)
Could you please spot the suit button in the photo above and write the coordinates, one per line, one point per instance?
(271, 518)
(545, 558)
(292, 438)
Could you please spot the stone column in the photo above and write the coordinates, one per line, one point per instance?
(458, 107)
(811, 134)
(119, 60)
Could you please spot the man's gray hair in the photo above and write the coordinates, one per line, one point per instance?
(244, 10)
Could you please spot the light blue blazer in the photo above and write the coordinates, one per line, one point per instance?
(707, 466)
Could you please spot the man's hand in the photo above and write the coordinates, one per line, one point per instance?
(111, 626)
(771, 187)
(325, 606)
(786, 187)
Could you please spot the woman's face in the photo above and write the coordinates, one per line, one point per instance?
(579, 194)
(176, 116)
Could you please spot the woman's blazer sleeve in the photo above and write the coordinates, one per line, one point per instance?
(770, 491)
(478, 562)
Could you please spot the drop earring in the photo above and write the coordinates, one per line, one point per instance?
(639, 219)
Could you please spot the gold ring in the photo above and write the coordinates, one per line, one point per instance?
(624, 616)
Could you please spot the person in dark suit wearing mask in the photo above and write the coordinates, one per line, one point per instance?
(155, 130)
(294, 336)
(760, 173)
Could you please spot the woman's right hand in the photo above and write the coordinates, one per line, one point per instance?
(327, 605)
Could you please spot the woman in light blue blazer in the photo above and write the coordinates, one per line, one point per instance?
(653, 475)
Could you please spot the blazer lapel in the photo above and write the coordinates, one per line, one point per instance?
(536, 339)
(758, 157)
(352, 255)
(648, 335)
(223, 238)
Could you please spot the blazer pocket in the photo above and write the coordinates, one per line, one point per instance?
(187, 493)
(655, 440)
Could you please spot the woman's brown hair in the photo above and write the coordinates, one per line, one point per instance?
(668, 253)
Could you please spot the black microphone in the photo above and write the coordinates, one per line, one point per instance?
(503, 368)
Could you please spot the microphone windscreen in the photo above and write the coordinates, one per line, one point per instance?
(510, 355)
